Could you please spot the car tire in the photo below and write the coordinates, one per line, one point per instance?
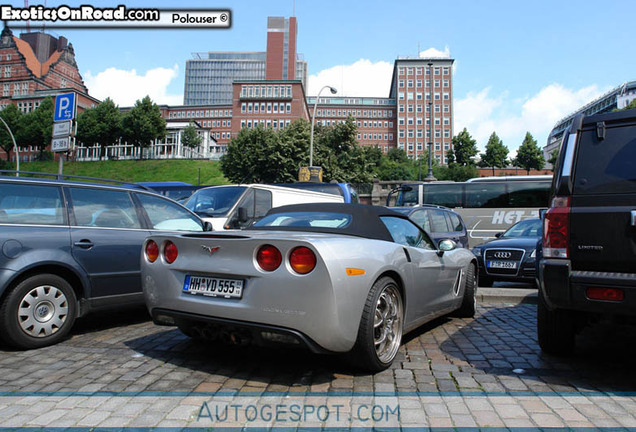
(381, 327)
(485, 281)
(38, 312)
(556, 329)
(469, 300)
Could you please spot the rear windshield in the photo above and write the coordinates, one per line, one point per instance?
(606, 166)
(305, 219)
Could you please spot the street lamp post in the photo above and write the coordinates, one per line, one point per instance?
(15, 148)
(430, 177)
(313, 118)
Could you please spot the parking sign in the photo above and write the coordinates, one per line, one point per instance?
(64, 107)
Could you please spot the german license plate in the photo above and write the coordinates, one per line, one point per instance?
(502, 264)
(213, 287)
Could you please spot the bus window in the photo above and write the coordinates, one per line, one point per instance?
(528, 194)
(407, 198)
(486, 195)
(447, 195)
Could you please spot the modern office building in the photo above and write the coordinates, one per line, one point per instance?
(209, 76)
(617, 98)
(423, 91)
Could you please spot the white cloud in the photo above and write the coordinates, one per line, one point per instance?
(435, 53)
(362, 78)
(125, 87)
(482, 113)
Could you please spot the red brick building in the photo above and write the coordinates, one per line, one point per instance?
(280, 63)
(36, 66)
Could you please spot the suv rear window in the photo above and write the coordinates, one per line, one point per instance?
(606, 166)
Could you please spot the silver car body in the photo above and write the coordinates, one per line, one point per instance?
(325, 305)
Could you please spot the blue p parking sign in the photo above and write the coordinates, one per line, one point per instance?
(64, 107)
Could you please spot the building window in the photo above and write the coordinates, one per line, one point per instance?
(7, 71)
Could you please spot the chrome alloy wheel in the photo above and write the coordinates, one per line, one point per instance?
(387, 324)
(42, 311)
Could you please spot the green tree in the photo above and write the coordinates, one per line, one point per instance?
(529, 155)
(11, 115)
(143, 124)
(36, 127)
(100, 125)
(339, 155)
(496, 154)
(295, 146)
(397, 155)
(259, 156)
(455, 172)
(554, 155)
(450, 156)
(464, 148)
(189, 136)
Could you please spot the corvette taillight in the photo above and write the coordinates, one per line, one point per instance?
(302, 260)
(556, 229)
(170, 252)
(152, 251)
(268, 258)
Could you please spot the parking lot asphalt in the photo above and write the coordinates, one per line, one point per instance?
(119, 370)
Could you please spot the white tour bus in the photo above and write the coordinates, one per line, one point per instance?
(488, 205)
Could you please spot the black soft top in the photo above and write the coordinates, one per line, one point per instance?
(365, 219)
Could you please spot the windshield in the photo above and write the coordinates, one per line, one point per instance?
(216, 201)
(526, 228)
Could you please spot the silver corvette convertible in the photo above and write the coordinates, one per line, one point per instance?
(339, 278)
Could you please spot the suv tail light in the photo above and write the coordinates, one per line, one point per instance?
(170, 252)
(302, 260)
(269, 258)
(556, 229)
(152, 251)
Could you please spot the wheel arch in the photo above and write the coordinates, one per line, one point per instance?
(398, 280)
(68, 274)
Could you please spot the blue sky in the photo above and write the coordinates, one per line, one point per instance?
(519, 66)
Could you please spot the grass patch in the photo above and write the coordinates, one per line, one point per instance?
(195, 172)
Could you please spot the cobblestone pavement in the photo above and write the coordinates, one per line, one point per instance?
(122, 371)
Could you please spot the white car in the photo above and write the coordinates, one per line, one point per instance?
(238, 206)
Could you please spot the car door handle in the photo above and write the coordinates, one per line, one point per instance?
(84, 244)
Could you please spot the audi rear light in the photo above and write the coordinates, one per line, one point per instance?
(170, 252)
(302, 260)
(269, 258)
(556, 229)
(152, 251)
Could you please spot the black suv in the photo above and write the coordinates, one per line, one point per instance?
(68, 247)
(587, 267)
